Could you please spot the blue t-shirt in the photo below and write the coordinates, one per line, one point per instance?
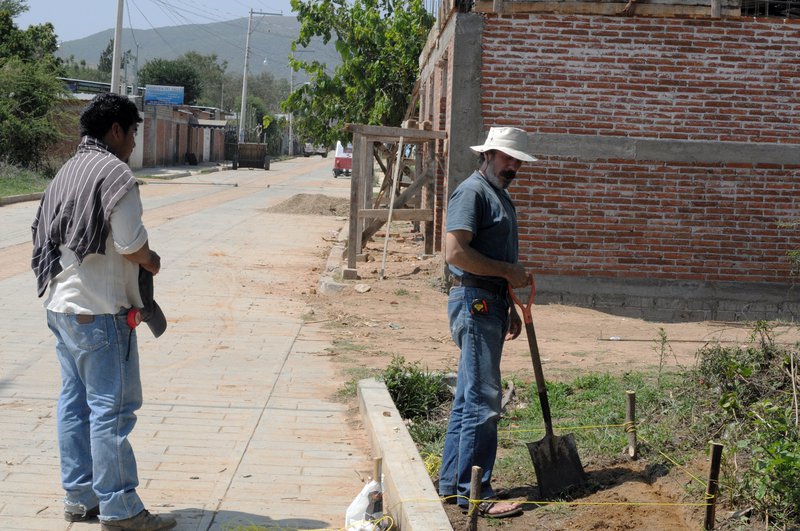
(488, 213)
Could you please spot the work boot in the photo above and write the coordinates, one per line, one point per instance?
(144, 521)
(89, 514)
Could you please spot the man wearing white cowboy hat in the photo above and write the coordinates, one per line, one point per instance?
(481, 250)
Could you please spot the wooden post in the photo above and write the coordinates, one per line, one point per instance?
(354, 229)
(417, 174)
(429, 201)
(713, 485)
(377, 470)
(474, 497)
(630, 424)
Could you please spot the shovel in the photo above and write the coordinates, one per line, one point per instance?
(555, 458)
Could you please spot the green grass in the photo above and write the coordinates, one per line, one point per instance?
(17, 181)
(350, 388)
(592, 408)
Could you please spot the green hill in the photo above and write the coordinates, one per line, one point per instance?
(270, 45)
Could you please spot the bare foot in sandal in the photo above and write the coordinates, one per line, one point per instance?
(499, 509)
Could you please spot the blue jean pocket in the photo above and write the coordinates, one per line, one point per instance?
(89, 336)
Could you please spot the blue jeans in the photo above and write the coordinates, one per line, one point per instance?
(472, 431)
(100, 393)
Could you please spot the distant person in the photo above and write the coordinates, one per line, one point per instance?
(89, 244)
(482, 252)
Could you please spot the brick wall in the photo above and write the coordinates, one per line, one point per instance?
(729, 80)
(672, 80)
(684, 221)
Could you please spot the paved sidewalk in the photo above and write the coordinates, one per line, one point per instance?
(239, 424)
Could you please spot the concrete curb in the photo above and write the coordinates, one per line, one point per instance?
(139, 174)
(408, 492)
(20, 198)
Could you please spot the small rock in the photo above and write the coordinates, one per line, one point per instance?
(362, 288)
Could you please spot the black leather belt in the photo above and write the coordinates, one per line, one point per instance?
(472, 282)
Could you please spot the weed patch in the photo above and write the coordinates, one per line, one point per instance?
(19, 181)
(745, 397)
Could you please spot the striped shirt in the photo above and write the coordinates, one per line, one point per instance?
(75, 211)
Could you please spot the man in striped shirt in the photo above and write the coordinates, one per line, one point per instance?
(89, 243)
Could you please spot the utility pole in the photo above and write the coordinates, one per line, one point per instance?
(243, 109)
(116, 56)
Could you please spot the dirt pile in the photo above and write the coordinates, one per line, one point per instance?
(313, 205)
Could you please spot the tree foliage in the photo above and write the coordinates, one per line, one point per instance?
(81, 70)
(13, 7)
(29, 91)
(379, 42)
(106, 58)
(178, 73)
(212, 77)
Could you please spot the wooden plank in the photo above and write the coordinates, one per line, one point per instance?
(398, 214)
(401, 200)
(393, 133)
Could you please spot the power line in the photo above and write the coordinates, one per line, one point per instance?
(154, 29)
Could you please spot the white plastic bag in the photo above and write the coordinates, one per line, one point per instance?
(365, 509)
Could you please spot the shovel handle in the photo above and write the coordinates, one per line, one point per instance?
(526, 308)
(535, 358)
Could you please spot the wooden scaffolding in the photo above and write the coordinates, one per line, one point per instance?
(406, 192)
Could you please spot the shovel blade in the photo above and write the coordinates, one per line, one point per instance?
(557, 464)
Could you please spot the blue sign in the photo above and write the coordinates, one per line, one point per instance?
(163, 95)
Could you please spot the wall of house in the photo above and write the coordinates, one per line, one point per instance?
(669, 158)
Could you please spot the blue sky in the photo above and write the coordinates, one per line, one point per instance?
(75, 19)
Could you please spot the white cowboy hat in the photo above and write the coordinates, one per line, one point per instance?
(510, 140)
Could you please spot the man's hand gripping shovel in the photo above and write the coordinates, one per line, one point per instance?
(555, 458)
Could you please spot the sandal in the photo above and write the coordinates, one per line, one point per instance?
(501, 509)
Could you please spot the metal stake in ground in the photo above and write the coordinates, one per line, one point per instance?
(555, 459)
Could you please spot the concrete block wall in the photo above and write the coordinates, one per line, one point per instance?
(716, 101)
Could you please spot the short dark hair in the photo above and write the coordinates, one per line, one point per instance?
(105, 109)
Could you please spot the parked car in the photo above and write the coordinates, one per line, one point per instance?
(343, 160)
(314, 149)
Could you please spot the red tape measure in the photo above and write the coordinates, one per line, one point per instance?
(134, 317)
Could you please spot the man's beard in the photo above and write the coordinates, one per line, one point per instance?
(508, 175)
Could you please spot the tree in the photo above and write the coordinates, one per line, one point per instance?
(177, 73)
(104, 64)
(80, 70)
(29, 92)
(272, 91)
(212, 77)
(379, 42)
(13, 7)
